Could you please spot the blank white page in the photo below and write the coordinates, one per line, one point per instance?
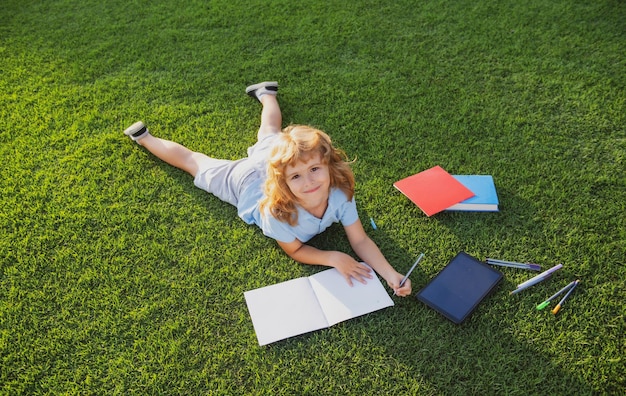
(341, 302)
(284, 310)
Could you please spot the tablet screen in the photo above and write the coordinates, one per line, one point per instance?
(458, 288)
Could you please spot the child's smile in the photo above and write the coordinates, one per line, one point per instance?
(309, 181)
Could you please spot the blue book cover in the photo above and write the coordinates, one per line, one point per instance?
(485, 199)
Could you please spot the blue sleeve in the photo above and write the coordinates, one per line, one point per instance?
(349, 214)
(339, 210)
(276, 229)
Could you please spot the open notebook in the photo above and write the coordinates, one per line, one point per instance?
(311, 303)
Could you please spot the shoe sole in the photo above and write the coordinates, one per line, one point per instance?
(269, 85)
(136, 130)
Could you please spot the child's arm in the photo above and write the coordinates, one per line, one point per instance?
(364, 247)
(344, 263)
(369, 252)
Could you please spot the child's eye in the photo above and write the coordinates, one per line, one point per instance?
(315, 169)
(294, 177)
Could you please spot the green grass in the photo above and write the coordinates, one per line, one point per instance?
(119, 276)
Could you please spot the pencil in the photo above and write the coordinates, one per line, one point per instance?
(409, 273)
(411, 270)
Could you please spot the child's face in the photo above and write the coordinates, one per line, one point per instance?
(309, 181)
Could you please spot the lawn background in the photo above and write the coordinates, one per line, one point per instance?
(118, 276)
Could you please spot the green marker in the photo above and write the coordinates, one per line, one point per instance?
(545, 303)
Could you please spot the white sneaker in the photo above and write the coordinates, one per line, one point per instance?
(137, 131)
(263, 88)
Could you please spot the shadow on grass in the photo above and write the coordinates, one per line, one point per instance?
(422, 351)
(411, 346)
(486, 354)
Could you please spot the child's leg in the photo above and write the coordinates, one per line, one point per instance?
(171, 152)
(271, 117)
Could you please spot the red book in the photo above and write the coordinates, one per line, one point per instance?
(433, 190)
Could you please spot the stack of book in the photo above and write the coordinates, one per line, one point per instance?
(435, 190)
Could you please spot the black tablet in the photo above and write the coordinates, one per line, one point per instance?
(459, 287)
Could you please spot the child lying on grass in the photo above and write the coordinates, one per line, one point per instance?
(293, 185)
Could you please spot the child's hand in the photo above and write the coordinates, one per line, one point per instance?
(394, 283)
(350, 268)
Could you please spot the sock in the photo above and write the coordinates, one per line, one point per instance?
(263, 91)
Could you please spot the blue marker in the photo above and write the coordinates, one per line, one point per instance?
(373, 224)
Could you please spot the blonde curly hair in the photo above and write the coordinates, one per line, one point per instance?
(298, 143)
